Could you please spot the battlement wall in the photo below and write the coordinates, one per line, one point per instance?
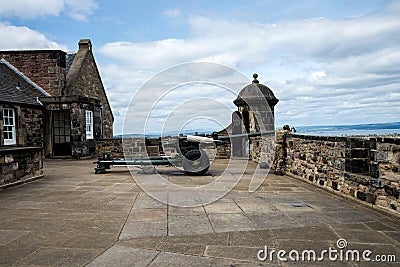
(364, 168)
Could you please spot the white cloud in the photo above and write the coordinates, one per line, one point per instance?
(325, 61)
(172, 13)
(241, 43)
(76, 9)
(30, 9)
(80, 9)
(15, 38)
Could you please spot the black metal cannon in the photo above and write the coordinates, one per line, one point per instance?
(191, 157)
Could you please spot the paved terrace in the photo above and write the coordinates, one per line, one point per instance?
(73, 217)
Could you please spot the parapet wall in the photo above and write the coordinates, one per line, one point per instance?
(365, 168)
(20, 164)
(128, 147)
(139, 147)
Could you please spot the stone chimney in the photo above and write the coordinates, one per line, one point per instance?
(85, 44)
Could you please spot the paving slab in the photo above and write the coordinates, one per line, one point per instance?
(272, 220)
(223, 207)
(363, 236)
(58, 257)
(182, 248)
(189, 225)
(313, 233)
(203, 239)
(150, 215)
(173, 259)
(10, 255)
(257, 238)
(173, 211)
(146, 242)
(141, 229)
(227, 222)
(7, 236)
(124, 256)
(43, 238)
(239, 253)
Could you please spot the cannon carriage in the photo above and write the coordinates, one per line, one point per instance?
(191, 155)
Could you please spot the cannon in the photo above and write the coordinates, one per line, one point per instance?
(192, 158)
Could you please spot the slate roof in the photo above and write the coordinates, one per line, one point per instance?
(251, 93)
(69, 58)
(15, 87)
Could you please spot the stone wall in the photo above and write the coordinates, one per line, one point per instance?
(223, 151)
(18, 164)
(84, 80)
(76, 107)
(46, 68)
(138, 147)
(364, 168)
(80, 145)
(29, 124)
(89, 84)
(262, 149)
(133, 147)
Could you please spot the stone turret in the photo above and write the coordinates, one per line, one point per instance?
(251, 103)
(255, 113)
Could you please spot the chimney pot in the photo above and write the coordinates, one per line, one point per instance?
(85, 44)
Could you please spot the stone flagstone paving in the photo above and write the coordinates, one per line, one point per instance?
(73, 217)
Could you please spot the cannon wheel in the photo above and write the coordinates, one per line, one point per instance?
(196, 162)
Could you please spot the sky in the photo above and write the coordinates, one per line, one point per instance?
(328, 62)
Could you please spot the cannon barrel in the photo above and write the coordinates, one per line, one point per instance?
(215, 137)
(244, 135)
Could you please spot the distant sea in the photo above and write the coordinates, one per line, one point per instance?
(389, 128)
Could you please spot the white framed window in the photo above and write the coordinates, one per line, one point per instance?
(9, 126)
(89, 124)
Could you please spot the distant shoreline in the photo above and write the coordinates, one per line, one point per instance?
(381, 132)
(388, 128)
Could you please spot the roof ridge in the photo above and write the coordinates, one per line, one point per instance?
(23, 76)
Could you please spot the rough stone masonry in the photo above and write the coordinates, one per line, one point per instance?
(364, 168)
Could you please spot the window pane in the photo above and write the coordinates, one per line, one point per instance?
(89, 124)
(9, 126)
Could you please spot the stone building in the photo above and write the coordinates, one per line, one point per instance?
(255, 113)
(21, 134)
(74, 104)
